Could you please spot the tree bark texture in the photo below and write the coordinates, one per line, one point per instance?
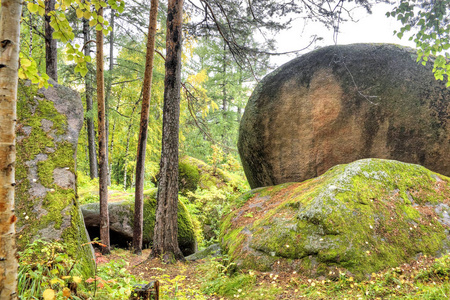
(51, 50)
(93, 171)
(108, 94)
(102, 144)
(166, 228)
(10, 15)
(140, 163)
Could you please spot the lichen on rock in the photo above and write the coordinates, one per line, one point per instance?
(359, 218)
(49, 121)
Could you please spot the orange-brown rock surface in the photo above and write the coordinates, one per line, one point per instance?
(339, 104)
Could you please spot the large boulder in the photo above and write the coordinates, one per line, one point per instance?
(358, 218)
(49, 122)
(339, 104)
(121, 218)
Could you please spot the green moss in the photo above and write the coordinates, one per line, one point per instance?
(62, 157)
(189, 176)
(82, 252)
(363, 217)
(54, 203)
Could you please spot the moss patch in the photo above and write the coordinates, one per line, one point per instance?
(361, 217)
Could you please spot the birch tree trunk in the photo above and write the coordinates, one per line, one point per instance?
(10, 14)
(165, 241)
(102, 144)
(140, 163)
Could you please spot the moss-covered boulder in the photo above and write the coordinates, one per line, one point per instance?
(195, 173)
(49, 121)
(359, 218)
(339, 104)
(121, 218)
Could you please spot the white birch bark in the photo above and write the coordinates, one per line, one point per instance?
(10, 13)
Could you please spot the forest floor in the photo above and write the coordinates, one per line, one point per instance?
(425, 278)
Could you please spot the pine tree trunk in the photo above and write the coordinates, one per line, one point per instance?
(108, 93)
(9, 58)
(30, 47)
(102, 145)
(111, 145)
(224, 96)
(130, 126)
(125, 163)
(51, 50)
(93, 171)
(224, 83)
(140, 163)
(165, 241)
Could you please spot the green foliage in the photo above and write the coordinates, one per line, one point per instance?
(29, 70)
(64, 32)
(209, 206)
(439, 270)
(44, 265)
(113, 281)
(46, 269)
(219, 277)
(428, 24)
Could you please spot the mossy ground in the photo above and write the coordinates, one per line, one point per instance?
(357, 218)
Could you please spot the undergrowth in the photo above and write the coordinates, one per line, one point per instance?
(46, 272)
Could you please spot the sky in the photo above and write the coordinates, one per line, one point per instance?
(374, 28)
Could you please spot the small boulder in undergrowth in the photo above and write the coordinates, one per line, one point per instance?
(121, 218)
(357, 218)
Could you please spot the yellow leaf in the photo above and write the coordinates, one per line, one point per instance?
(54, 281)
(49, 294)
(25, 62)
(79, 13)
(22, 74)
(76, 279)
(214, 105)
(33, 8)
(66, 292)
